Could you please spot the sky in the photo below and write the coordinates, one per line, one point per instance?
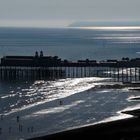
(57, 13)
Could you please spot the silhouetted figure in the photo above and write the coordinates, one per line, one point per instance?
(1, 117)
(41, 53)
(0, 131)
(17, 118)
(28, 129)
(10, 129)
(32, 129)
(60, 102)
(20, 128)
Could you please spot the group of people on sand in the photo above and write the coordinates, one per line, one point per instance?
(20, 126)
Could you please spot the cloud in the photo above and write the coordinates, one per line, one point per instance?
(56, 10)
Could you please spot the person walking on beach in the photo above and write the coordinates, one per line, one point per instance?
(1, 117)
(0, 131)
(10, 128)
(17, 118)
(32, 129)
(61, 102)
(20, 128)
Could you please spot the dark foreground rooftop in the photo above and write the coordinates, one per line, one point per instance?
(125, 129)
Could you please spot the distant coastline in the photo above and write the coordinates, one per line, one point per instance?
(108, 27)
(105, 24)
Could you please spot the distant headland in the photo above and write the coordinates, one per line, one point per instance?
(103, 24)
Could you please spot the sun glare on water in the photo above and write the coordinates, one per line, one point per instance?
(110, 27)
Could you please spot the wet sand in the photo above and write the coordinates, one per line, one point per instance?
(125, 129)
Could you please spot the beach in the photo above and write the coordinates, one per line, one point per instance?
(69, 103)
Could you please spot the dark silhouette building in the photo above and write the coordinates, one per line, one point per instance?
(30, 60)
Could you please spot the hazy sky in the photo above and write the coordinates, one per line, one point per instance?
(64, 12)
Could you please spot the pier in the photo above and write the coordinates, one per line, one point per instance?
(40, 67)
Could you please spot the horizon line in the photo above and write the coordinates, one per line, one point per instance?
(80, 27)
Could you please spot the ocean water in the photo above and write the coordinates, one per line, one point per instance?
(37, 103)
(71, 43)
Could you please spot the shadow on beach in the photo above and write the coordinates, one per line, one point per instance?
(126, 129)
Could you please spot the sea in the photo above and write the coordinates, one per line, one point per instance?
(35, 108)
